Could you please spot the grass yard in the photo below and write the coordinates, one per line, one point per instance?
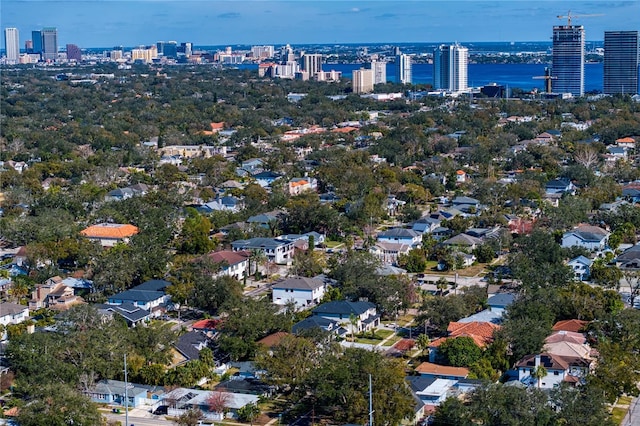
(332, 244)
(624, 400)
(392, 341)
(618, 414)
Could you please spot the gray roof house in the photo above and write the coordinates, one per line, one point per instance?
(190, 344)
(276, 250)
(343, 311)
(587, 236)
(301, 291)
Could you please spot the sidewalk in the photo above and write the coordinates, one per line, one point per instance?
(633, 415)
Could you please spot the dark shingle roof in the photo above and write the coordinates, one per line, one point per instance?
(299, 283)
(343, 307)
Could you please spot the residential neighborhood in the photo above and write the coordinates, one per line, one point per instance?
(249, 250)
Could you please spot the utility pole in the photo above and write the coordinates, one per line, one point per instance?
(370, 402)
(126, 393)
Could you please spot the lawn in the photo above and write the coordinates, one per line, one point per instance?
(332, 244)
(624, 400)
(367, 341)
(392, 341)
(618, 414)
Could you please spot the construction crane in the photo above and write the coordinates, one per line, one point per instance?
(569, 16)
(547, 77)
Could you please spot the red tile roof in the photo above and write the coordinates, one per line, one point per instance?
(273, 339)
(228, 257)
(206, 324)
(480, 332)
(574, 325)
(442, 370)
(110, 230)
(405, 344)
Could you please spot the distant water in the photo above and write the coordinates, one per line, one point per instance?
(512, 75)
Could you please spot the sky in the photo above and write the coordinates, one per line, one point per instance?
(106, 23)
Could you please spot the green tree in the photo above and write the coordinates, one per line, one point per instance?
(59, 404)
(414, 261)
(194, 237)
(248, 413)
(460, 351)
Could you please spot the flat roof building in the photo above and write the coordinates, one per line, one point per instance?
(621, 50)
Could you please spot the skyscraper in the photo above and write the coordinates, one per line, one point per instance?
(621, 50)
(49, 44)
(36, 38)
(379, 69)
(12, 45)
(362, 81)
(73, 53)
(450, 64)
(403, 69)
(311, 63)
(568, 59)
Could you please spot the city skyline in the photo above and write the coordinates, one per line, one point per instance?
(130, 23)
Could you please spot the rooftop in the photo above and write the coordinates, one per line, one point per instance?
(110, 230)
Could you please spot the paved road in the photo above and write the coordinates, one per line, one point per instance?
(633, 415)
(140, 421)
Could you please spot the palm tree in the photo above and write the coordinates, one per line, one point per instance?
(538, 373)
(442, 284)
(423, 342)
(353, 319)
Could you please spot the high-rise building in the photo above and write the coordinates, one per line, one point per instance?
(403, 69)
(12, 45)
(262, 52)
(49, 44)
(568, 59)
(186, 48)
(170, 49)
(450, 64)
(362, 81)
(74, 53)
(621, 51)
(311, 63)
(28, 46)
(379, 69)
(160, 47)
(36, 38)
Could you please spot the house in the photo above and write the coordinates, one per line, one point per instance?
(263, 220)
(301, 291)
(628, 142)
(231, 263)
(461, 176)
(388, 252)
(110, 234)
(587, 236)
(190, 344)
(557, 370)
(299, 185)
(266, 178)
(276, 250)
(466, 204)
(463, 241)
(560, 186)
(53, 294)
(630, 258)
(393, 205)
(149, 295)
(404, 236)
(425, 225)
(113, 392)
(12, 313)
(207, 326)
(316, 322)
(354, 316)
(133, 315)
(573, 325)
(430, 390)
(481, 332)
(499, 302)
(631, 192)
(436, 371)
(581, 267)
(227, 203)
(318, 238)
(181, 400)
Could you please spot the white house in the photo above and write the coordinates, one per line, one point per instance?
(300, 290)
(556, 368)
(276, 250)
(181, 400)
(581, 267)
(354, 316)
(148, 295)
(587, 236)
(232, 263)
(12, 313)
(389, 252)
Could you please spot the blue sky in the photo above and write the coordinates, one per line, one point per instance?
(104, 23)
